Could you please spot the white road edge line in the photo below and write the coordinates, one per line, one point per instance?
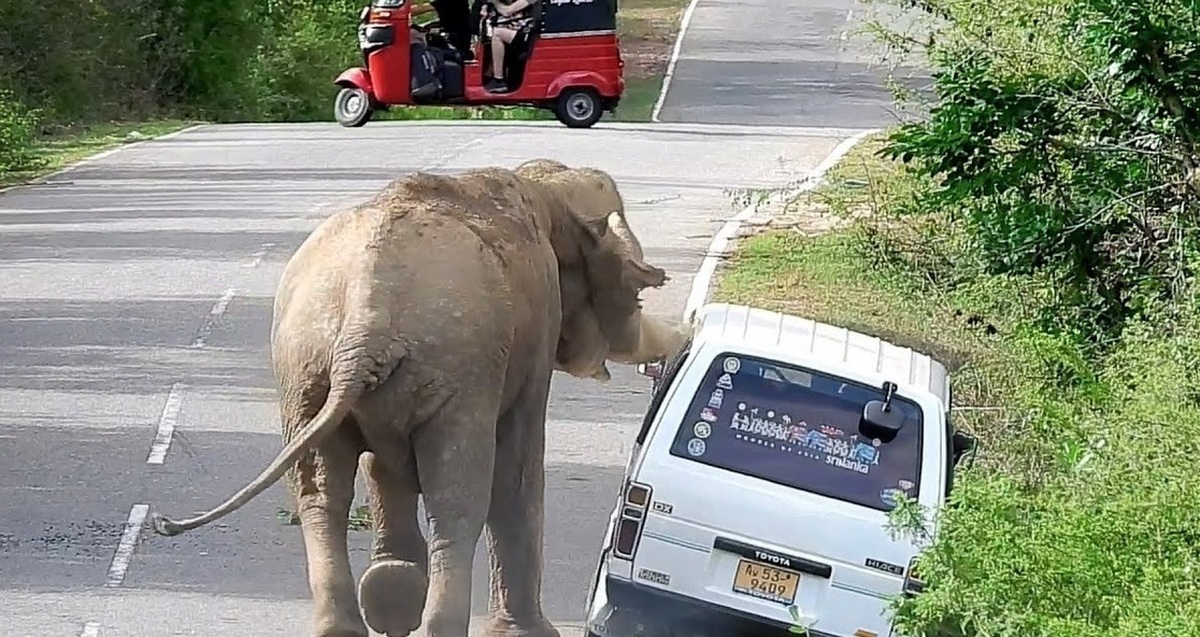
(666, 83)
(716, 249)
(124, 552)
(166, 425)
(98, 156)
(90, 629)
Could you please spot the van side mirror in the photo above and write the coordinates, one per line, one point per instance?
(653, 370)
(961, 444)
(878, 419)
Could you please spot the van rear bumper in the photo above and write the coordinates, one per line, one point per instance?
(650, 612)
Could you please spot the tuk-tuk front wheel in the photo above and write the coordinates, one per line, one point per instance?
(352, 107)
(578, 107)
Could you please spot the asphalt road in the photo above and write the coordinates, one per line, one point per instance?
(135, 299)
(786, 63)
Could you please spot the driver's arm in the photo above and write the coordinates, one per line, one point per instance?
(420, 9)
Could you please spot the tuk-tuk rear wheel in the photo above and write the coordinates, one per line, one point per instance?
(578, 107)
(352, 107)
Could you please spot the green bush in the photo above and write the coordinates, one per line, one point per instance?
(1108, 543)
(1065, 140)
(18, 136)
(131, 59)
(292, 73)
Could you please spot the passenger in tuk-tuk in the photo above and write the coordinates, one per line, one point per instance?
(507, 22)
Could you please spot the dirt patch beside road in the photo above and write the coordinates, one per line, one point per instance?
(648, 29)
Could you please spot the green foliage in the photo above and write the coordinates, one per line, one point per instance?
(1109, 544)
(1064, 141)
(233, 61)
(18, 136)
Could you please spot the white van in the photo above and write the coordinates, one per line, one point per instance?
(756, 494)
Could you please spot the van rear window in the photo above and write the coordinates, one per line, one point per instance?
(799, 428)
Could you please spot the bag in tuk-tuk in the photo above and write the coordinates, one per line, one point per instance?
(423, 70)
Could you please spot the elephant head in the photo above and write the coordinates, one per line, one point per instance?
(602, 271)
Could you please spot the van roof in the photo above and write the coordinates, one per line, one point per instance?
(765, 329)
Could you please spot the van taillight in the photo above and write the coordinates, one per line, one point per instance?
(913, 585)
(629, 525)
(637, 495)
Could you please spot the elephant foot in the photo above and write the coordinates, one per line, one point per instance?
(329, 622)
(504, 627)
(392, 596)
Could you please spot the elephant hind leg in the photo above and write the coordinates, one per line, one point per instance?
(393, 588)
(455, 452)
(322, 483)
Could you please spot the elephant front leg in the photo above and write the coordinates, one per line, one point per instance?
(392, 590)
(515, 523)
(323, 484)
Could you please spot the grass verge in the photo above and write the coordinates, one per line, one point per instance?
(69, 145)
(647, 29)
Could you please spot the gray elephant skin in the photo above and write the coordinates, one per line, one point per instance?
(414, 337)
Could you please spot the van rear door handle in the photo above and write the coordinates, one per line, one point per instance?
(775, 558)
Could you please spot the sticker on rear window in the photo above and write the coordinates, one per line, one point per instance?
(799, 428)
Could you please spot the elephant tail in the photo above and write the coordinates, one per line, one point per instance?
(337, 406)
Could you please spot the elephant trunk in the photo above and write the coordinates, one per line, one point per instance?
(651, 338)
(336, 407)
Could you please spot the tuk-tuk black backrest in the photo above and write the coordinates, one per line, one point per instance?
(565, 16)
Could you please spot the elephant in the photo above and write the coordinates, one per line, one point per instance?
(413, 338)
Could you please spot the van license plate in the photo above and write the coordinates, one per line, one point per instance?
(765, 582)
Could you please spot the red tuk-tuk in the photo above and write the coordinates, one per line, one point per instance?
(566, 60)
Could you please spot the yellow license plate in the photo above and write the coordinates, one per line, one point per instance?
(765, 582)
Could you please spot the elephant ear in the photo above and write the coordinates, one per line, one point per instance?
(611, 232)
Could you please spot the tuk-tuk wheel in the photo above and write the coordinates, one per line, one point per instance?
(578, 107)
(352, 107)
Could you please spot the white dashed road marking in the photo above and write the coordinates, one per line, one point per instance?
(256, 259)
(214, 315)
(124, 552)
(166, 425)
(90, 629)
